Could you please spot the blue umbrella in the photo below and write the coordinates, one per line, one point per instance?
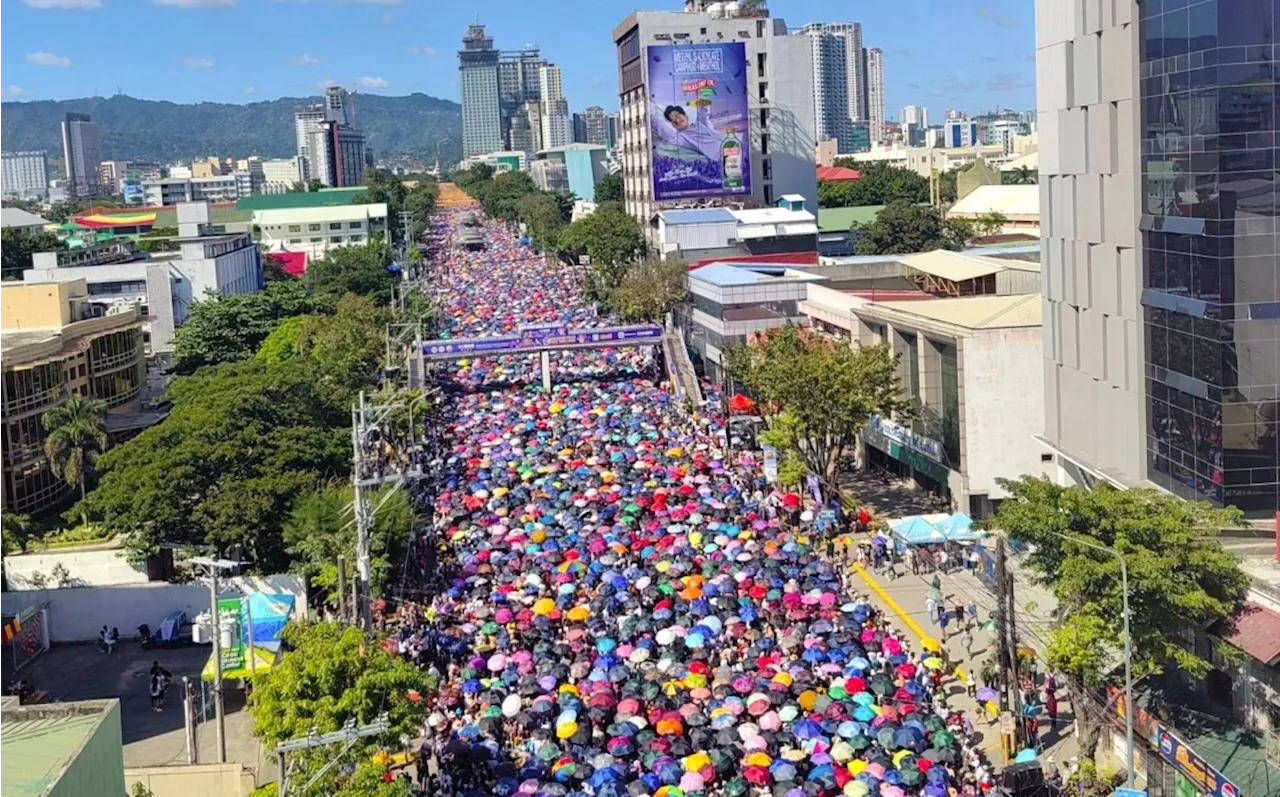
(807, 729)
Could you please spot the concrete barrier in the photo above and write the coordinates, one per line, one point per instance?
(191, 780)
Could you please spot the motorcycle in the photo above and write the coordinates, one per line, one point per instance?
(20, 688)
(145, 637)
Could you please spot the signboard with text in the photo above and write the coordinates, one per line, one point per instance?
(542, 338)
(1206, 779)
(900, 434)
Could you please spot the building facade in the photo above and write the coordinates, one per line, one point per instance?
(580, 166)
(1095, 374)
(25, 175)
(519, 73)
(317, 230)
(875, 92)
(174, 190)
(279, 175)
(780, 102)
(306, 120)
(481, 100)
(56, 341)
(832, 114)
(81, 156)
(961, 133)
(589, 127)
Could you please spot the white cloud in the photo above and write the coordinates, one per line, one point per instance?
(196, 63)
(372, 82)
(77, 5)
(250, 89)
(196, 3)
(428, 51)
(304, 60)
(49, 59)
(14, 91)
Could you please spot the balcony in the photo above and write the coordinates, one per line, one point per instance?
(36, 401)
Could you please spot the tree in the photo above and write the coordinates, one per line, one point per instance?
(315, 184)
(469, 179)
(990, 223)
(361, 270)
(15, 532)
(242, 441)
(504, 192)
(319, 530)
(902, 228)
(1179, 577)
(332, 674)
(877, 184)
(650, 289)
(75, 434)
(611, 238)
(1022, 175)
(229, 328)
(282, 343)
(347, 346)
(17, 247)
(609, 189)
(540, 213)
(824, 391)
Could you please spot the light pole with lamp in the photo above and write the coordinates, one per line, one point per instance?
(213, 566)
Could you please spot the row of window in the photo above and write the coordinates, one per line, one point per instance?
(121, 287)
(333, 225)
(337, 239)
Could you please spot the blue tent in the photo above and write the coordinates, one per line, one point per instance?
(915, 530)
(269, 612)
(958, 528)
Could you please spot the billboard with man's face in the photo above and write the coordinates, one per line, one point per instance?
(698, 120)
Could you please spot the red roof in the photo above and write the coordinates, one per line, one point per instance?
(1257, 632)
(837, 174)
(293, 263)
(781, 259)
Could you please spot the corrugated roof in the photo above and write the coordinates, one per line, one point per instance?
(1010, 200)
(17, 217)
(975, 312)
(697, 216)
(730, 274)
(772, 216)
(838, 174)
(1257, 632)
(38, 751)
(841, 219)
(954, 266)
(308, 199)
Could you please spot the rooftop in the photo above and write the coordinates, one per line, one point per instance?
(313, 213)
(308, 199)
(41, 742)
(1014, 201)
(1257, 632)
(974, 312)
(838, 174)
(576, 147)
(962, 266)
(731, 274)
(702, 216)
(17, 217)
(841, 219)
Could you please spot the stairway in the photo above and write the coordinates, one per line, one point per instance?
(683, 377)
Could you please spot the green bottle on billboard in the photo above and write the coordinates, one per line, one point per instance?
(731, 160)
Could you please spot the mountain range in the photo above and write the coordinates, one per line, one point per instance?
(152, 130)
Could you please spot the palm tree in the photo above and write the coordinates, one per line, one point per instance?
(1020, 176)
(12, 526)
(76, 435)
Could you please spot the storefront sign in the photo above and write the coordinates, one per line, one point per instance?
(770, 462)
(544, 338)
(901, 434)
(1206, 779)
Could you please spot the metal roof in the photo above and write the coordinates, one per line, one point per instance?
(729, 274)
(1013, 201)
(697, 216)
(958, 266)
(974, 312)
(17, 217)
(841, 219)
(1257, 632)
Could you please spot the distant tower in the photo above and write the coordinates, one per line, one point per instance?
(875, 92)
(481, 101)
(82, 155)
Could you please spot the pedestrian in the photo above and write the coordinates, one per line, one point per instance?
(959, 610)
(931, 608)
(942, 622)
(103, 636)
(970, 685)
(967, 641)
(112, 639)
(157, 693)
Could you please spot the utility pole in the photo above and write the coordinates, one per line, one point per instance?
(213, 566)
(350, 733)
(342, 588)
(189, 719)
(1002, 641)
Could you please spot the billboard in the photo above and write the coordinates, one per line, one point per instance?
(698, 120)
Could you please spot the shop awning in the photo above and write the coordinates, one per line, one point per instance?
(237, 665)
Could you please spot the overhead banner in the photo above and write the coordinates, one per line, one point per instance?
(543, 338)
(699, 120)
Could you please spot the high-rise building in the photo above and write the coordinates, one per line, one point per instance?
(481, 100)
(778, 87)
(336, 106)
(917, 115)
(557, 125)
(82, 154)
(525, 134)
(306, 121)
(961, 133)
(612, 129)
(875, 92)
(336, 155)
(25, 174)
(589, 126)
(831, 74)
(519, 72)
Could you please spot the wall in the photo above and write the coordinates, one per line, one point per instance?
(792, 138)
(1003, 407)
(99, 762)
(77, 614)
(192, 780)
(1086, 84)
(88, 568)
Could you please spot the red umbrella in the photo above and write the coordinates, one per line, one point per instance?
(741, 405)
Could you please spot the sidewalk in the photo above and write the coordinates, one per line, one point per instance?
(905, 599)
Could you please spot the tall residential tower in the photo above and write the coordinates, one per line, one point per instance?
(875, 92)
(82, 155)
(481, 99)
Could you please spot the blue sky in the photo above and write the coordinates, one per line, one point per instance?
(941, 55)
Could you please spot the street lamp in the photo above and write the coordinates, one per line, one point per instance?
(1128, 649)
(213, 566)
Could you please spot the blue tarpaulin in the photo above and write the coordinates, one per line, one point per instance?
(269, 612)
(915, 530)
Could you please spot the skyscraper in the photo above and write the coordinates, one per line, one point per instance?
(336, 106)
(306, 120)
(82, 154)
(875, 92)
(612, 129)
(518, 83)
(589, 126)
(557, 126)
(25, 174)
(832, 114)
(914, 115)
(481, 99)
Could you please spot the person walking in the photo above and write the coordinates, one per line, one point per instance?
(157, 693)
(966, 640)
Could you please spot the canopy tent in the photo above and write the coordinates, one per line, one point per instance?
(915, 530)
(265, 657)
(959, 528)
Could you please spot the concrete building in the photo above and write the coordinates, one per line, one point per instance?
(481, 100)
(306, 120)
(62, 749)
(924, 160)
(589, 127)
(557, 123)
(1019, 204)
(336, 155)
(316, 230)
(835, 65)
(612, 130)
(19, 219)
(779, 91)
(279, 175)
(525, 128)
(915, 115)
(57, 341)
(25, 175)
(582, 166)
(501, 161)
(206, 167)
(961, 133)
(1110, 412)
(174, 190)
(165, 285)
(549, 174)
(518, 83)
(971, 364)
(875, 93)
(81, 155)
(739, 235)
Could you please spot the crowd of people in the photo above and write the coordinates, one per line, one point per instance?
(611, 608)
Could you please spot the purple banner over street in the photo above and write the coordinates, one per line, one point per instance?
(544, 338)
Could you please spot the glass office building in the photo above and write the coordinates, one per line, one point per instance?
(1210, 235)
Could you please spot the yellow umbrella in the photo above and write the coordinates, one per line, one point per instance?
(544, 607)
(807, 699)
(696, 761)
(566, 729)
(898, 756)
(933, 663)
(759, 760)
(578, 614)
(856, 766)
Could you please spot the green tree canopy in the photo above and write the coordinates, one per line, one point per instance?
(877, 184)
(825, 392)
(241, 442)
(347, 346)
(1180, 578)
(17, 247)
(282, 343)
(230, 328)
(540, 213)
(902, 228)
(609, 189)
(502, 196)
(611, 238)
(649, 289)
(361, 270)
(75, 435)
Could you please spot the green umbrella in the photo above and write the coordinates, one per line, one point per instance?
(910, 776)
(490, 627)
(735, 788)
(548, 752)
(942, 738)
(934, 723)
(860, 743)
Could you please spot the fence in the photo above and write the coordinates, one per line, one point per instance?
(30, 637)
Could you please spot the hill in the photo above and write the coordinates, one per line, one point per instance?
(134, 129)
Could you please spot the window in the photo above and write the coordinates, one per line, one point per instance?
(355, 225)
(82, 370)
(313, 228)
(768, 194)
(764, 143)
(760, 62)
(315, 240)
(355, 239)
(295, 228)
(335, 225)
(764, 91)
(764, 117)
(335, 239)
(294, 241)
